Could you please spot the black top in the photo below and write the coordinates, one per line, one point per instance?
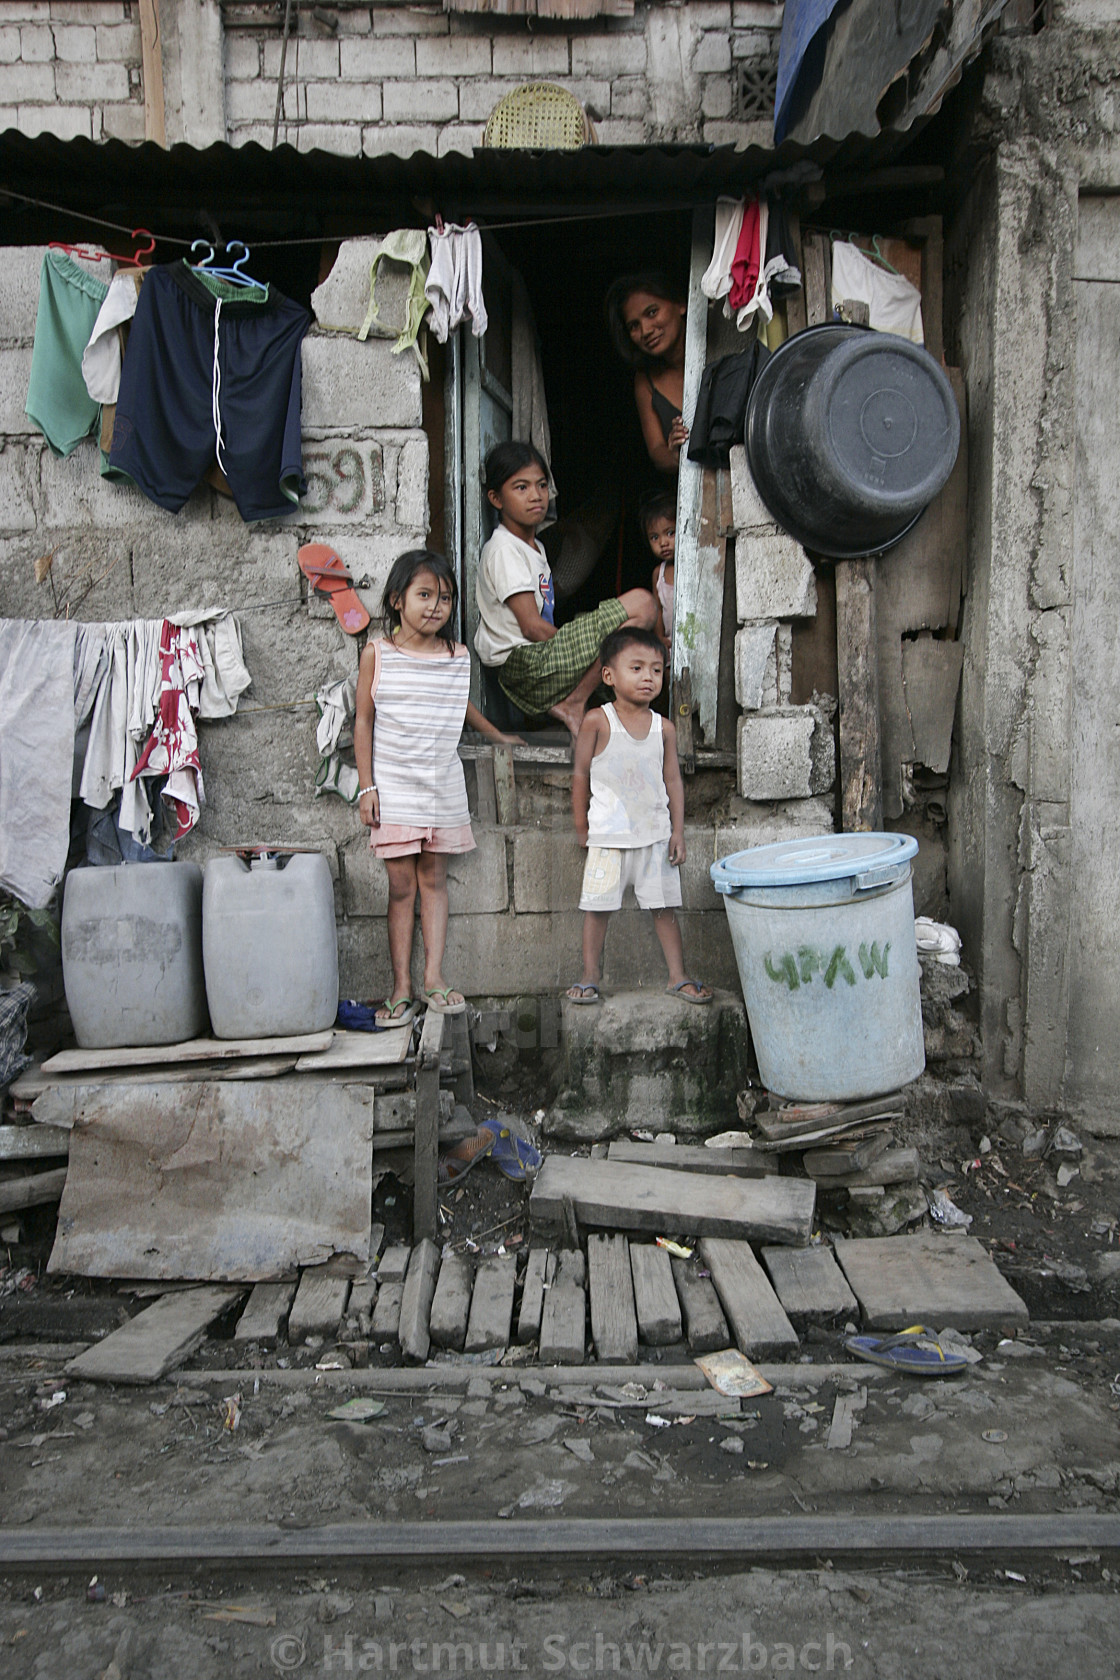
(665, 410)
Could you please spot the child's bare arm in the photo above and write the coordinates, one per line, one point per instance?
(674, 787)
(581, 771)
(524, 608)
(476, 721)
(368, 804)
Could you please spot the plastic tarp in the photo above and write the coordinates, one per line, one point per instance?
(802, 23)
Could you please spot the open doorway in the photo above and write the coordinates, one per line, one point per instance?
(598, 457)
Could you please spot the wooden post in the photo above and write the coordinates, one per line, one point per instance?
(682, 717)
(426, 1136)
(857, 659)
(698, 593)
(151, 70)
(796, 318)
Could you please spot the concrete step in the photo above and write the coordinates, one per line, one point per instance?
(643, 1059)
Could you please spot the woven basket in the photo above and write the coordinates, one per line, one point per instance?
(539, 117)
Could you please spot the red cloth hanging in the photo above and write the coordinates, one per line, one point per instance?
(747, 261)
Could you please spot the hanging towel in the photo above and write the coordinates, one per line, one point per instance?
(716, 282)
(172, 748)
(334, 738)
(895, 305)
(454, 287)
(746, 262)
(759, 301)
(36, 755)
(57, 400)
(101, 358)
(409, 247)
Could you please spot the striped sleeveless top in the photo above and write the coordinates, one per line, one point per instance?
(419, 708)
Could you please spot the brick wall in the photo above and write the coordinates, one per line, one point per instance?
(415, 78)
(71, 68)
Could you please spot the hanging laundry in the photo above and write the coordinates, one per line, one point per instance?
(783, 277)
(58, 403)
(212, 371)
(409, 247)
(746, 262)
(334, 738)
(101, 358)
(36, 755)
(172, 747)
(758, 303)
(721, 405)
(716, 280)
(223, 658)
(454, 287)
(895, 306)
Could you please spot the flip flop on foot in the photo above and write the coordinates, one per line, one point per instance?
(396, 1012)
(456, 1162)
(325, 572)
(916, 1351)
(699, 993)
(439, 998)
(583, 991)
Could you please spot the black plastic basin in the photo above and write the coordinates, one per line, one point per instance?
(850, 434)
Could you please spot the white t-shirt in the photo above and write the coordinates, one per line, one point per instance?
(508, 566)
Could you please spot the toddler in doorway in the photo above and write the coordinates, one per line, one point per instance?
(657, 514)
(628, 805)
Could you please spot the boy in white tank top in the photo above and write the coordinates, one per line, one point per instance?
(628, 805)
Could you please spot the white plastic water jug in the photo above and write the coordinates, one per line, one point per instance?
(269, 947)
(132, 954)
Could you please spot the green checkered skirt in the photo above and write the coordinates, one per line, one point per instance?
(539, 675)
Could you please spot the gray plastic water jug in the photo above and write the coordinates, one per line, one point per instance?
(132, 954)
(269, 947)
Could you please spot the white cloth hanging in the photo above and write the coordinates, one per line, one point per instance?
(101, 358)
(454, 284)
(894, 305)
(37, 662)
(716, 281)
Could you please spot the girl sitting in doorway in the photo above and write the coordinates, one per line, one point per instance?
(413, 684)
(542, 668)
(646, 320)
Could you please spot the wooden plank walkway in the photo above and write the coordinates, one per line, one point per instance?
(655, 1296)
(628, 1198)
(614, 1325)
(156, 1340)
(754, 1312)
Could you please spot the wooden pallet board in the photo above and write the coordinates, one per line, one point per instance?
(393, 1264)
(655, 1296)
(265, 1314)
(540, 1270)
(491, 1304)
(809, 1284)
(358, 1050)
(778, 1125)
(416, 1300)
(628, 1198)
(192, 1050)
(451, 1304)
(683, 1157)
(758, 1322)
(614, 1324)
(894, 1166)
(156, 1340)
(320, 1304)
(387, 1311)
(704, 1324)
(945, 1282)
(564, 1318)
(33, 1190)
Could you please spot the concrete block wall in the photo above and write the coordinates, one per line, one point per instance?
(783, 751)
(401, 79)
(71, 69)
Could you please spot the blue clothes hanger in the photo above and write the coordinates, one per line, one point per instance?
(236, 273)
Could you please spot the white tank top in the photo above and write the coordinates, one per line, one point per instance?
(629, 800)
(419, 708)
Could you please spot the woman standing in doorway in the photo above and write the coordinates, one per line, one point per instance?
(646, 318)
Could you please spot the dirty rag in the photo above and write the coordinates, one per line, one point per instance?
(454, 284)
(36, 755)
(407, 246)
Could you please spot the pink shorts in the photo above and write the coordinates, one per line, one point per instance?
(393, 840)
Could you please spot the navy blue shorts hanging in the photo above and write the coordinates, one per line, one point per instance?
(207, 377)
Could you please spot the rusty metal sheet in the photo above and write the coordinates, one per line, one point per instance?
(226, 1182)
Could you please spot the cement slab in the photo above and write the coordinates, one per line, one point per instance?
(941, 1281)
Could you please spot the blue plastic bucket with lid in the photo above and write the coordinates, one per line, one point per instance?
(823, 930)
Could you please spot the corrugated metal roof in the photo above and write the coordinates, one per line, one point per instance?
(137, 180)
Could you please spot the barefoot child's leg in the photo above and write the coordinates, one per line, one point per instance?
(669, 933)
(402, 903)
(431, 873)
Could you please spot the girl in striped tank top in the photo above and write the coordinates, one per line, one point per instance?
(413, 687)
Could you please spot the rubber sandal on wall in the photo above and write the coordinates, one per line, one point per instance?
(325, 572)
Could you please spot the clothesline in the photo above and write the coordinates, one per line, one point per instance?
(331, 239)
